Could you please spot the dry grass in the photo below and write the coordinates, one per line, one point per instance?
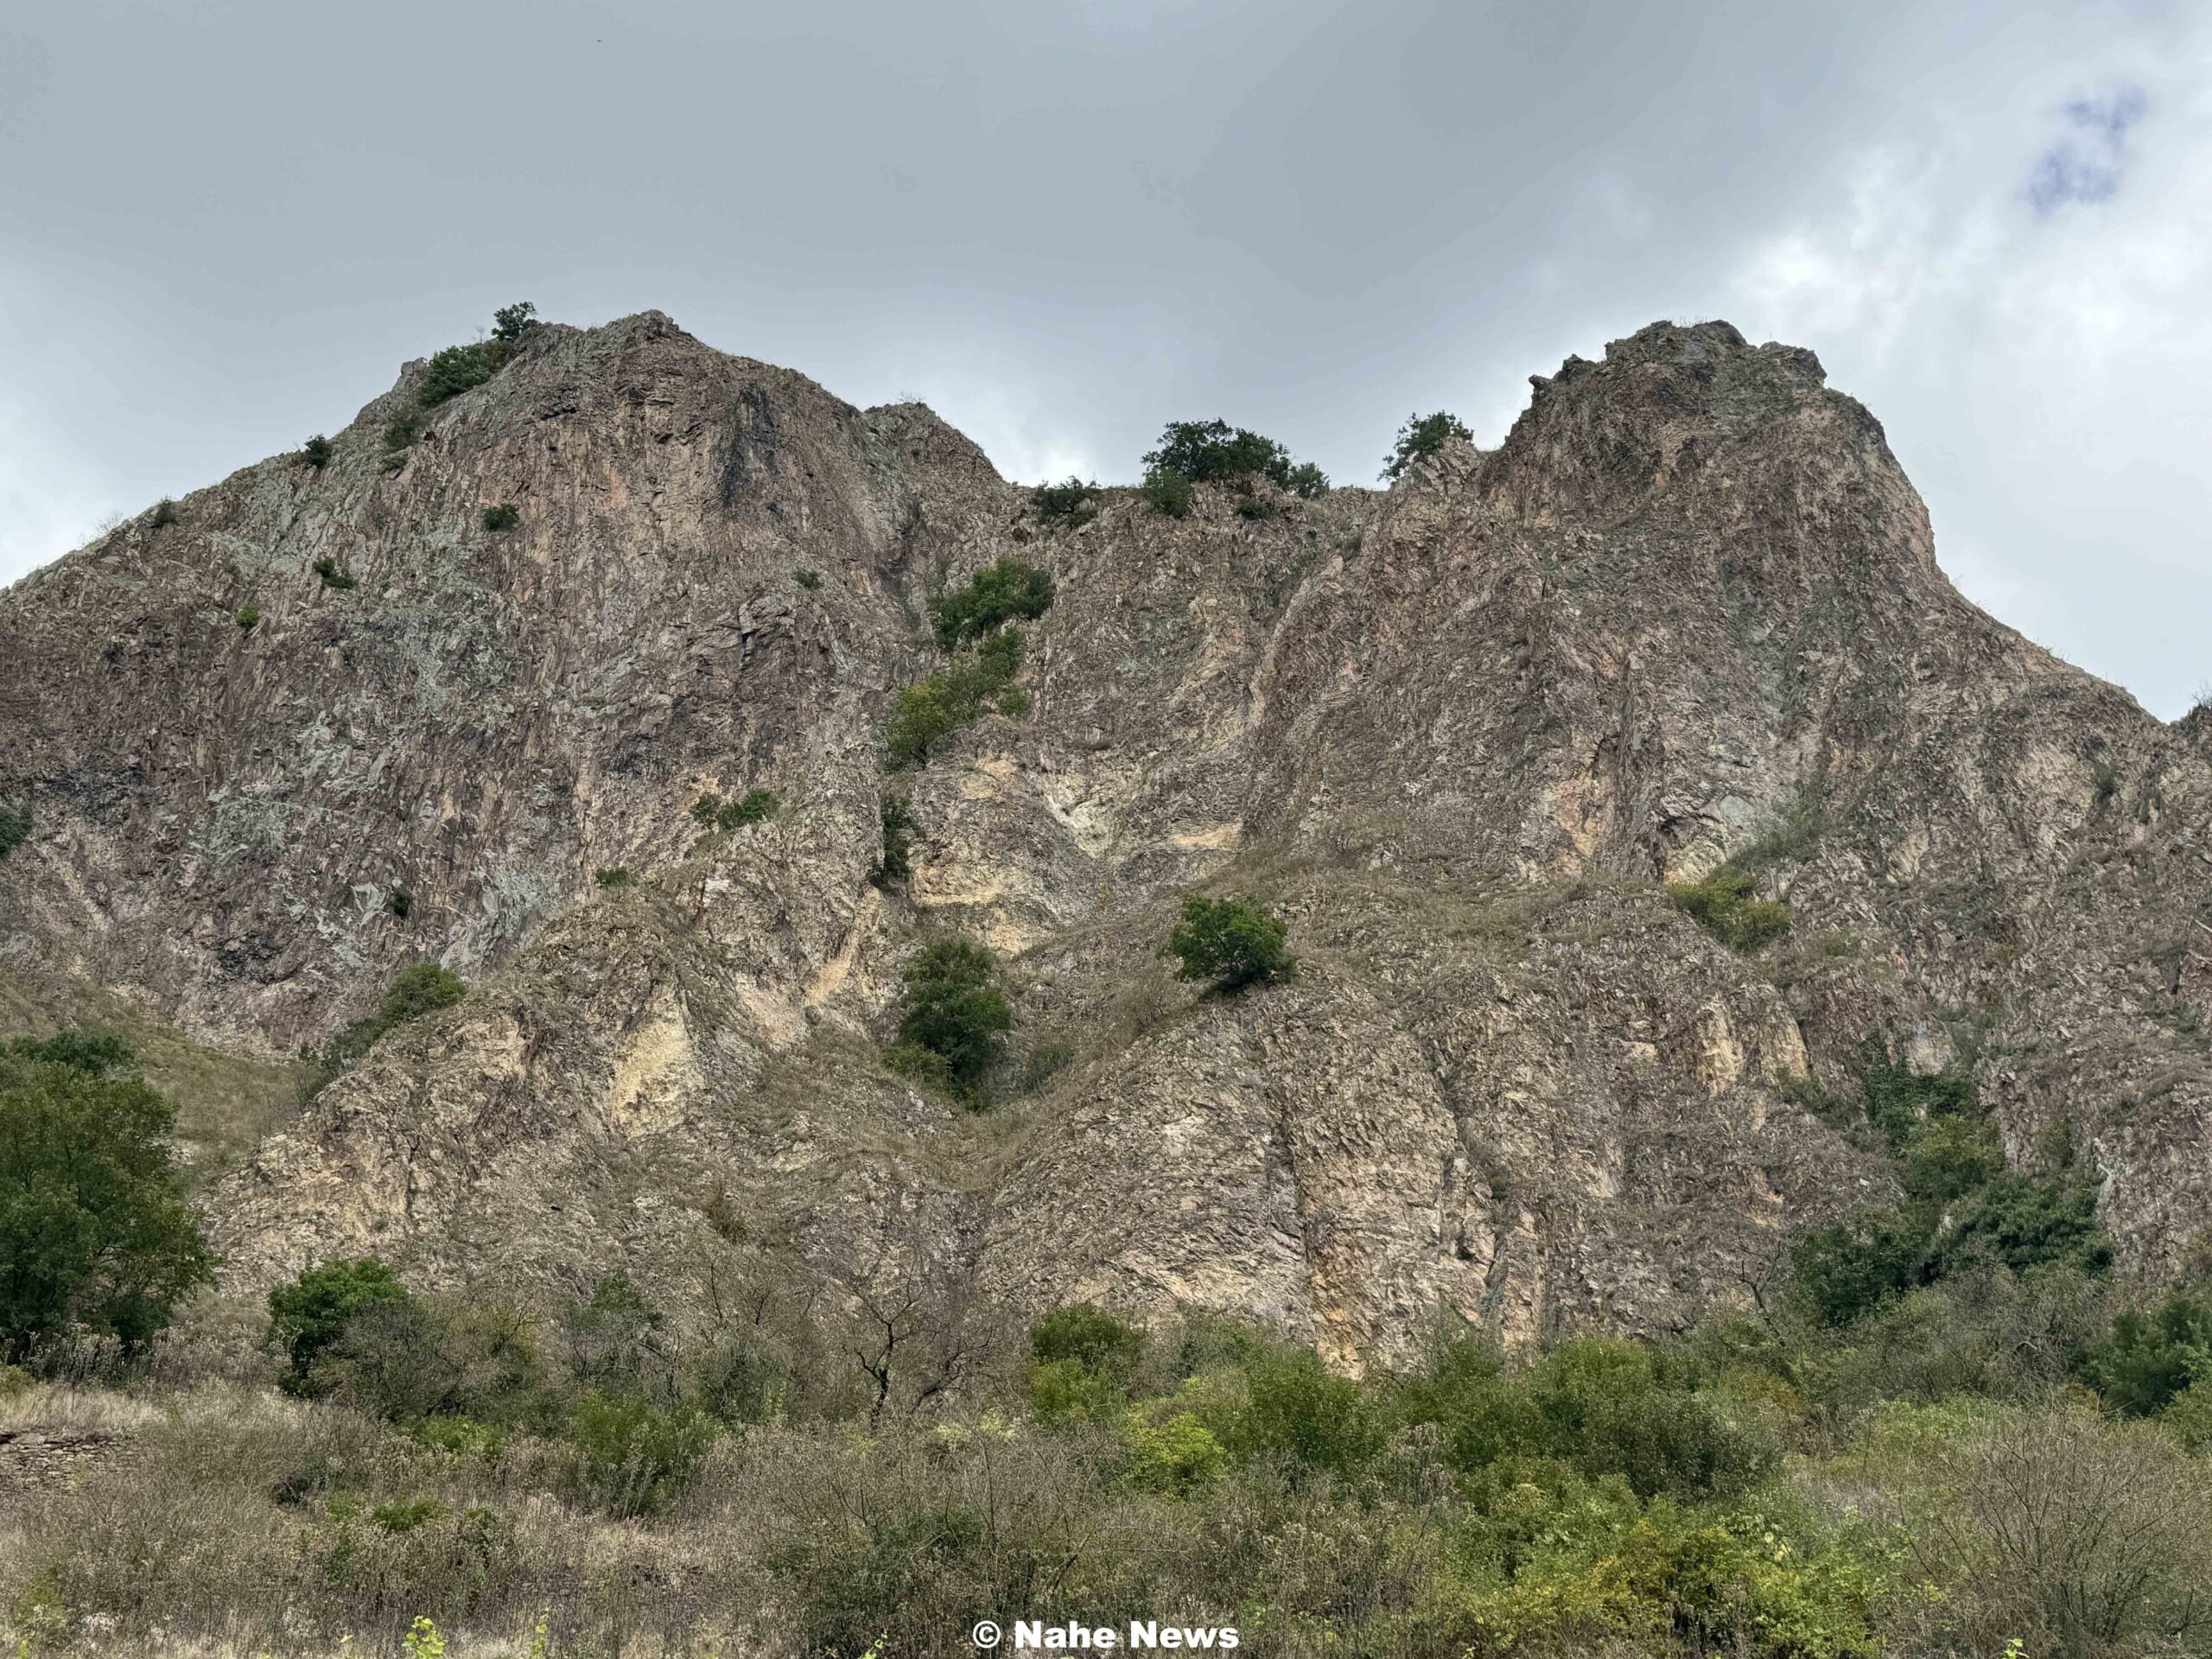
(225, 1102)
(49, 1409)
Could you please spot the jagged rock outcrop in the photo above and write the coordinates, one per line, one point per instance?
(1459, 731)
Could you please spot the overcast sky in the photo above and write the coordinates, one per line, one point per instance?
(224, 223)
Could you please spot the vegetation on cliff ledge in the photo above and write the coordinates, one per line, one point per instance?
(984, 611)
(956, 1016)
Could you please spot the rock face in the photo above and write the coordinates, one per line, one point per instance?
(1459, 732)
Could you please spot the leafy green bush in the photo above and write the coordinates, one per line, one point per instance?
(809, 579)
(956, 1011)
(2155, 1355)
(1073, 502)
(639, 1455)
(1963, 1206)
(1306, 481)
(400, 903)
(1091, 1337)
(453, 371)
(2025, 1221)
(754, 806)
(316, 451)
(15, 828)
(95, 1232)
(942, 703)
(1946, 1158)
(613, 876)
(918, 1064)
(1422, 435)
(1178, 1456)
(895, 863)
(1230, 943)
(89, 1049)
(1167, 494)
(164, 514)
(333, 577)
(925, 713)
(1064, 1391)
(1003, 591)
(456, 368)
(505, 516)
(1725, 905)
(1898, 1100)
(248, 618)
(452, 1369)
(421, 988)
(1851, 1267)
(1201, 451)
(1599, 1406)
(309, 1314)
(1294, 1412)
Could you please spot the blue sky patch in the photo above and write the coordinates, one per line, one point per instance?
(2087, 164)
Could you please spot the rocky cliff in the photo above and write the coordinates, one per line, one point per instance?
(1459, 733)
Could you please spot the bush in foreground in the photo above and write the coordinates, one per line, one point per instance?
(311, 1313)
(95, 1233)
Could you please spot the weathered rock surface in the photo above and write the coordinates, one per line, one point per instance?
(1458, 731)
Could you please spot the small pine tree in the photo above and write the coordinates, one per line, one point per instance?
(316, 451)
